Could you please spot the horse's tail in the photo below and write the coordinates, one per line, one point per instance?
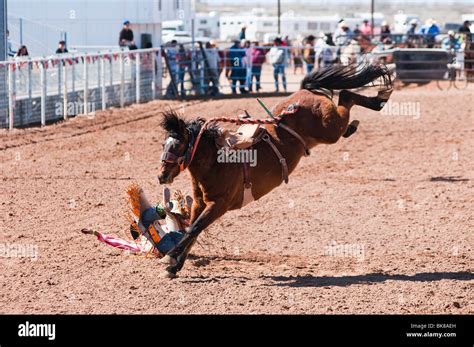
(347, 77)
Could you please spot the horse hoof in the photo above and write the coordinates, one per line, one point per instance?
(167, 274)
(167, 260)
(385, 94)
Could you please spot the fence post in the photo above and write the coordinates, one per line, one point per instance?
(65, 108)
(86, 86)
(30, 90)
(10, 97)
(153, 74)
(60, 74)
(122, 80)
(137, 77)
(43, 93)
(111, 69)
(102, 80)
(73, 79)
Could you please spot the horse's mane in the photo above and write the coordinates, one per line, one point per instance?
(176, 126)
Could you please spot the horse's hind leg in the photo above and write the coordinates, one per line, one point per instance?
(376, 103)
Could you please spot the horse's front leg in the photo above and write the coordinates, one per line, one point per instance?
(177, 256)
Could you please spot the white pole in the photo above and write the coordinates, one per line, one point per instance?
(86, 86)
(30, 89)
(10, 97)
(102, 79)
(122, 80)
(137, 77)
(153, 73)
(65, 114)
(43, 92)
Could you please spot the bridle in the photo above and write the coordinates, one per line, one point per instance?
(185, 159)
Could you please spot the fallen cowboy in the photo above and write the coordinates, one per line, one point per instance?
(154, 230)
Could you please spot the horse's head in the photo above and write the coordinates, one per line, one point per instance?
(177, 148)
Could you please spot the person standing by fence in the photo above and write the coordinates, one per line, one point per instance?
(297, 56)
(247, 62)
(172, 57)
(211, 74)
(258, 58)
(236, 70)
(430, 30)
(183, 59)
(309, 54)
(22, 52)
(411, 35)
(126, 36)
(366, 28)
(10, 51)
(62, 48)
(465, 29)
(277, 57)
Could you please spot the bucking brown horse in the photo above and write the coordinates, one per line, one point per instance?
(305, 119)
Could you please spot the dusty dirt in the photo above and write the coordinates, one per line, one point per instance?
(397, 197)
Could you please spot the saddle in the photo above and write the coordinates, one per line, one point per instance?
(245, 137)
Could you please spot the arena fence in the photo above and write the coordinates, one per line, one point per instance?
(57, 87)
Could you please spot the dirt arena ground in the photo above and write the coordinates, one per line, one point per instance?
(381, 222)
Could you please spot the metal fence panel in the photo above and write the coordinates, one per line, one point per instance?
(53, 88)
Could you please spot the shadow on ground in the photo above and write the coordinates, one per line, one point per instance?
(344, 281)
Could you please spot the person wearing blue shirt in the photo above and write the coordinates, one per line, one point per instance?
(451, 42)
(238, 72)
(430, 30)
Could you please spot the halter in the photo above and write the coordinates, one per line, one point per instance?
(184, 160)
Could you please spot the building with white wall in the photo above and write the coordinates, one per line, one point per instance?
(89, 24)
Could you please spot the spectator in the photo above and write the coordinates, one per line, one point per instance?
(385, 31)
(172, 64)
(242, 33)
(62, 48)
(10, 51)
(22, 52)
(236, 70)
(329, 40)
(297, 57)
(465, 29)
(451, 42)
(430, 30)
(247, 60)
(309, 54)
(212, 73)
(412, 37)
(366, 28)
(324, 53)
(258, 58)
(357, 30)
(126, 36)
(183, 59)
(277, 57)
(342, 35)
(352, 52)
